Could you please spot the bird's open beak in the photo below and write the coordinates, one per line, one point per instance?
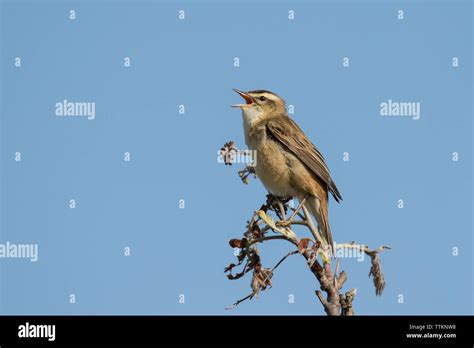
(248, 99)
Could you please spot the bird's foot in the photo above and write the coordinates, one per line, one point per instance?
(284, 223)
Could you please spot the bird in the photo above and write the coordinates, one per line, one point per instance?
(287, 162)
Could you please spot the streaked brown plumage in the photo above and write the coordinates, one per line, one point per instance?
(288, 163)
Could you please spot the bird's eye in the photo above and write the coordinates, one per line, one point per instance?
(262, 98)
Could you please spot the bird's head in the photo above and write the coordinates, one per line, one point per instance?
(260, 104)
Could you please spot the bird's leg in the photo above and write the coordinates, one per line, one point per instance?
(287, 222)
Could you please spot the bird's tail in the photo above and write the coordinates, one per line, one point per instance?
(319, 209)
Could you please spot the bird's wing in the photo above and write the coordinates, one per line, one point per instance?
(303, 149)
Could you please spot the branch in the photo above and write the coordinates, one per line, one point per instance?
(246, 172)
(346, 302)
(248, 297)
(316, 252)
(376, 267)
(255, 292)
(284, 258)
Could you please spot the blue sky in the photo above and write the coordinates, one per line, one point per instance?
(174, 156)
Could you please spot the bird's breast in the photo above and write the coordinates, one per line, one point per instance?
(272, 167)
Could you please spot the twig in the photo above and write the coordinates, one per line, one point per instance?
(376, 267)
(246, 172)
(253, 293)
(284, 258)
(249, 296)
